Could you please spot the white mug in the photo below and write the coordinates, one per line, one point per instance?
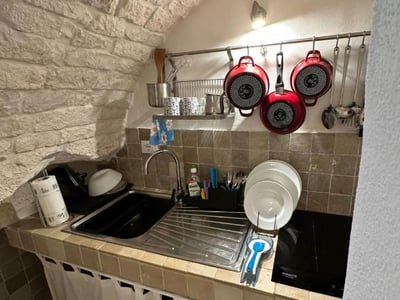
(171, 106)
(189, 106)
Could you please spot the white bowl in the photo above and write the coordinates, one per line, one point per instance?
(268, 205)
(103, 181)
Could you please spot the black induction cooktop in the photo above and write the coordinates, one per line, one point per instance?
(312, 252)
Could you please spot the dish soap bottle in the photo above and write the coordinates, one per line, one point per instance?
(193, 184)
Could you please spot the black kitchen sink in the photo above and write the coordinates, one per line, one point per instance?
(126, 217)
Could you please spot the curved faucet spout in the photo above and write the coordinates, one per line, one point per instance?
(179, 189)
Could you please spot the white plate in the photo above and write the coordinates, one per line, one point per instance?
(266, 200)
(281, 166)
(275, 175)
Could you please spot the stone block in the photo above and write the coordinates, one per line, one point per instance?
(107, 6)
(86, 39)
(29, 48)
(136, 51)
(32, 141)
(100, 60)
(136, 11)
(27, 18)
(161, 21)
(139, 34)
(77, 133)
(9, 104)
(107, 25)
(83, 78)
(15, 75)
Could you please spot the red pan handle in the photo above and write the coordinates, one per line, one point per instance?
(314, 54)
(248, 58)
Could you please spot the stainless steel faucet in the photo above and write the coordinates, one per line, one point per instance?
(179, 190)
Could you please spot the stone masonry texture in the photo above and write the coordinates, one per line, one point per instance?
(67, 76)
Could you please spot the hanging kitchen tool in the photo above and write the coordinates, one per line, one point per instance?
(311, 78)
(328, 115)
(344, 112)
(159, 58)
(282, 111)
(246, 84)
(359, 109)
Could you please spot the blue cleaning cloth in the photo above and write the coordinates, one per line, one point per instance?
(161, 132)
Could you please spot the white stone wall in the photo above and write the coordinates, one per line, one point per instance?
(67, 76)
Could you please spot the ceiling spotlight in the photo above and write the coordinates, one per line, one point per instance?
(258, 15)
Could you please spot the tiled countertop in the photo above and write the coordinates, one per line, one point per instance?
(181, 277)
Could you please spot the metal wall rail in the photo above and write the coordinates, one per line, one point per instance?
(283, 42)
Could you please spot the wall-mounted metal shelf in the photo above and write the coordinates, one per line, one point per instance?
(199, 117)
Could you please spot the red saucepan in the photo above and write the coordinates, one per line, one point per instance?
(282, 111)
(311, 77)
(246, 84)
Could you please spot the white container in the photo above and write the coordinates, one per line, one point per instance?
(172, 106)
(50, 200)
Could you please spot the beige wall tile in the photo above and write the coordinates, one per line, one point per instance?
(319, 182)
(257, 156)
(189, 138)
(144, 134)
(317, 296)
(90, 258)
(252, 294)
(300, 161)
(222, 139)
(190, 155)
(342, 185)
(200, 269)
(300, 142)
(240, 140)
(13, 238)
(154, 259)
(347, 144)
(304, 180)
(131, 253)
(291, 292)
(40, 244)
(321, 163)
(206, 155)
(27, 241)
(345, 165)
(134, 150)
(240, 158)
(175, 282)
(340, 204)
(227, 291)
(278, 143)
(132, 136)
(176, 264)
(302, 204)
(323, 143)
(284, 156)
(56, 249)
(205, 138)
(317, 202)
(227, 276)
(151, 276)
(222, 157)
(109, 264)
(264, 282)
(258, 140)
(177, 138)
(200, 288)
(73, 253)
(129, 269)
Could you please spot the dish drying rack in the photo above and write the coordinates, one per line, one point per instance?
(198, 88)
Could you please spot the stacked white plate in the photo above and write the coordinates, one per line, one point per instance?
(271, 194)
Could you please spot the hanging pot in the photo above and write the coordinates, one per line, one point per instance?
(311, 77)
(246, 84)
(282, 111)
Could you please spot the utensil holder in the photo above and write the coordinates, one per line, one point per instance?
(218, 199)
(156, 92)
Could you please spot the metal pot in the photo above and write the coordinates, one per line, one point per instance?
(311, 78)
(217, 104)
(246, 85)
(282, 111)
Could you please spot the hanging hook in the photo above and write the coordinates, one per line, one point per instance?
(337, 41)
(263, 50)
(248, 50)
(280, 46)
(313, 43)
(348, 41)
(229, 52)
(363, 40)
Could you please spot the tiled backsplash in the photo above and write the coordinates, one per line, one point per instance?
(327, 163)
(21, 274)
